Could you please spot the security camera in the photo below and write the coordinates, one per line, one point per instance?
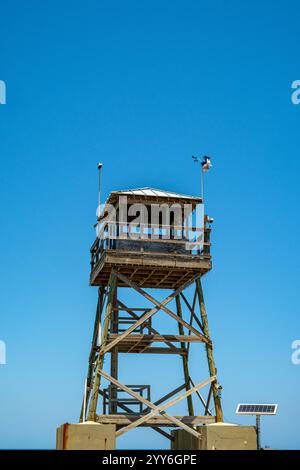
(210, 220)
(100, 165)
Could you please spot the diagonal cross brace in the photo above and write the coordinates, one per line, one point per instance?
(161, 409)
(149, 404)
(150, 313)
(162, 305)
(147, 315)
(133, 314)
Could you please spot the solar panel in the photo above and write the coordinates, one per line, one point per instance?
(247, 409)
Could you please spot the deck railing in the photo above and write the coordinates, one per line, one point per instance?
(143, 238)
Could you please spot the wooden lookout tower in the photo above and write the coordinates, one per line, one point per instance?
(146, 239)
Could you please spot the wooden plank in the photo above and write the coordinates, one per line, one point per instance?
(150, 350)
(163, 279)
(136, 338)
(160, 420)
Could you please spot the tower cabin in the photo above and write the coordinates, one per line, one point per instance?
(149, 236)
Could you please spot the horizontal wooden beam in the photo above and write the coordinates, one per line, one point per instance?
(132, 349)
(137, 338)
(125, 419)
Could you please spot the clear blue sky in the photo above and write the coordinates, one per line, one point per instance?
(141, 86)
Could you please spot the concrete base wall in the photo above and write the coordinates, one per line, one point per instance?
(217, 437)
(86, 436)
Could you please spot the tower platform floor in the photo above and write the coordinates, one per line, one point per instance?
(156, 270)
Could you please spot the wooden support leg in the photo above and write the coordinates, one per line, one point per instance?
(113, 395)
(185, 360)
(100, 359)
(92, 357)
(209, 352)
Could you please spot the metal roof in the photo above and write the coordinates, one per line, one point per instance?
(152, 192)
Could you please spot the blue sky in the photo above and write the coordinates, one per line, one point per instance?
(142, 86)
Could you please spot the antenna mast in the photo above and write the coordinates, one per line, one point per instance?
(99, 183)
(205, 166)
